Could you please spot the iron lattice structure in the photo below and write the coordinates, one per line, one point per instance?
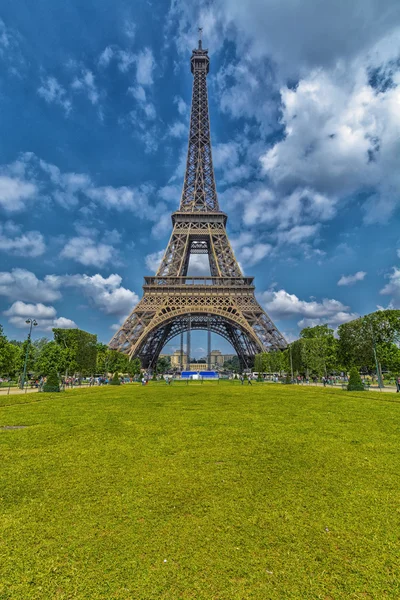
(174, 303)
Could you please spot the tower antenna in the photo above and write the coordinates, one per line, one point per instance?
(200, 37)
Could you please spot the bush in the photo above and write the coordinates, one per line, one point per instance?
(52, 382)
(355, 383)
(115, 380)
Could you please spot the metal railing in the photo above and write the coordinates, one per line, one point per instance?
(212, 281)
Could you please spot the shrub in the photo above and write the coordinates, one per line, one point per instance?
(115, 380)
(52, 382)
(355, 383)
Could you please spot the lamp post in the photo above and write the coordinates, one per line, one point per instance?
(32, 323)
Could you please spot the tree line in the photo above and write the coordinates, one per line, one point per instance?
(71, 352)
(369, 343)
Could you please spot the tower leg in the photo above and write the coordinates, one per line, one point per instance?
(181, 357)
(208, 344)
(188, 343)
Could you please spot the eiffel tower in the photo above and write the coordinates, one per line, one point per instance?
(174, 303)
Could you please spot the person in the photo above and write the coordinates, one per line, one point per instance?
(241, 379)
(250, 377)
(398, 384)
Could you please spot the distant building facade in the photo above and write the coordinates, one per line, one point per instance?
(217, 360)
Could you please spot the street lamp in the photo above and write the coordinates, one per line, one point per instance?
(32, 323)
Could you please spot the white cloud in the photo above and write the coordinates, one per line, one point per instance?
(153, 260)
(130, 29)
(36, 311)
(106, 56)
(138, 92)
(104, 293)
(351, 279)
(20, 284)
(298, 234)
(46, 316)
(248, 251)
(393, 288)
(178, 129)
(183, 108)
(199, 265)
(86, 84)
(14, 192)
(162, 226)
(282, 305)
(120, 199)
(297, 36)
(341, 135)
(171, 193)
(54, 93)
(89, 253)
(63, 323)
(144, 67)
(13, 241)
(125, 60)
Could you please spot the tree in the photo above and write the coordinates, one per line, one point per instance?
(233, 364)
(81, 347)
(52, 383)
(355, 383)
(163, 364)
(379, 331)
(9, 356)
(319, 349)
(115, 380)
(51, 356)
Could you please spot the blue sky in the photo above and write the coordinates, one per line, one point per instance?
(305, 119)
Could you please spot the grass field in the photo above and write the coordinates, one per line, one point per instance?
(202, 492)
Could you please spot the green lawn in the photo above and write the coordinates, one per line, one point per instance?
(202, 492)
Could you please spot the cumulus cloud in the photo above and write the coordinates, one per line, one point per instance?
(85, 83)
(153, 260)
(104, 293)
(89, 253)
(15, 191)
(20, 284)
(144, 67)
(248, 251)
(352, 279)
(125, 59)
(18, 243)
(54, 93)
(392, 288)
(46, 316)
(297, 36)
(139, 93)
(282, 305)
(199, 266)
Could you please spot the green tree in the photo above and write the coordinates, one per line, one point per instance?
(9, 356)
(115, 380)
(358, 339)
(319, 349)
(81, 350)
(355, 383)
(51, 356)
(163, 364)
(233, 364)
(52, 383)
